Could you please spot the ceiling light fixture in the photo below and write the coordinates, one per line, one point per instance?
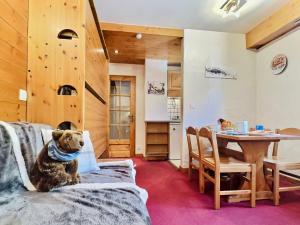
(116, 51)
(139, 36)
(232, 7)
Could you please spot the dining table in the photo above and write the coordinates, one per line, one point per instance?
(253, 150)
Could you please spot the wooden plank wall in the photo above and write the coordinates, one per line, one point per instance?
(13, 58)
(53, 62)
(96, 62)
(276, 25)
(96, 122)
(96, 112)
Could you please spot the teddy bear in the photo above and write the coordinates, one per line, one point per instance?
(56, 164)
(225, 124)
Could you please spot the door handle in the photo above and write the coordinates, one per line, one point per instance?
(131, 117)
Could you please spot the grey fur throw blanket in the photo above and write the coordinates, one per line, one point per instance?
(94, 201)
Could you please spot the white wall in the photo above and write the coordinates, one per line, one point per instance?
(206, 100)
(156, 106)
(278, 103)
(139, 72)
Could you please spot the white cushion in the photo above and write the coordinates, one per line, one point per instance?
(87, 161)
(47, 135)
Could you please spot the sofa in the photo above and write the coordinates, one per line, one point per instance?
(107, 195)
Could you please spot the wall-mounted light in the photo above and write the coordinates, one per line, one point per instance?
(139, 36)
(116, 51)
(99, 50)
(232, 7)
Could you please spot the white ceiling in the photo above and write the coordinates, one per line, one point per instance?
(186, 14)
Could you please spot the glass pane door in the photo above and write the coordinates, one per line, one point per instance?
(120, 115)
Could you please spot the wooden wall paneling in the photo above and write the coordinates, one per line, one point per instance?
(70, 71)
(70, 60)
(70, 110)
(282, 21)
(20, 7)
(134, 51)
(12, 111)
(71, 63)
(12, 36)
(96, 75)
(15, 20)
(54, 62)
(96, 122)
(96, 62)
(13, 58)
(41, 86)
(8, 91)
(142, 29)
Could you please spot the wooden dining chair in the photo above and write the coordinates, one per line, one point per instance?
(223, 164)
(277, 163)
(194, 158)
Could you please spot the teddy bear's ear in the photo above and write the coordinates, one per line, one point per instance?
(56, 134)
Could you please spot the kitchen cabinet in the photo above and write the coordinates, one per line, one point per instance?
(174, 82)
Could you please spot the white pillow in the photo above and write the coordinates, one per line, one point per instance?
(47, 135)
(86, 160)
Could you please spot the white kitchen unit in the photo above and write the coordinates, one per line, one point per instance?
(175, 141)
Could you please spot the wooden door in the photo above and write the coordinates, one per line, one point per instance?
(122, 116)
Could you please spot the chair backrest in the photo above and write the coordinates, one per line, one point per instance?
(192, 133)
(209, 134)
(286, 131)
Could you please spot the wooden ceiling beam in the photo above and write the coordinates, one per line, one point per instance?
(172, 32)
(282, 21)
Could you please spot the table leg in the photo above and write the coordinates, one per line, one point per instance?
(254, 152)
(222, 143)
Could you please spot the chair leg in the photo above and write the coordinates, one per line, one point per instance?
(253, 185)
(217, 189)
(201, 179)
(276, 186)
(265, 170)
(190, 169)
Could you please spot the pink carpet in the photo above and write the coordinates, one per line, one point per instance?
(174, 200)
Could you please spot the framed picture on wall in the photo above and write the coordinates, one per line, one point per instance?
(219, 73)
(279, 64)
(156, 88)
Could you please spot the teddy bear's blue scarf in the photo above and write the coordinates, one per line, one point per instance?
(56, 154)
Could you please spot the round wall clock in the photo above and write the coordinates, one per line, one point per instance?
(279, 64)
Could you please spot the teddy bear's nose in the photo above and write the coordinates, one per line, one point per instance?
(81, 143)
